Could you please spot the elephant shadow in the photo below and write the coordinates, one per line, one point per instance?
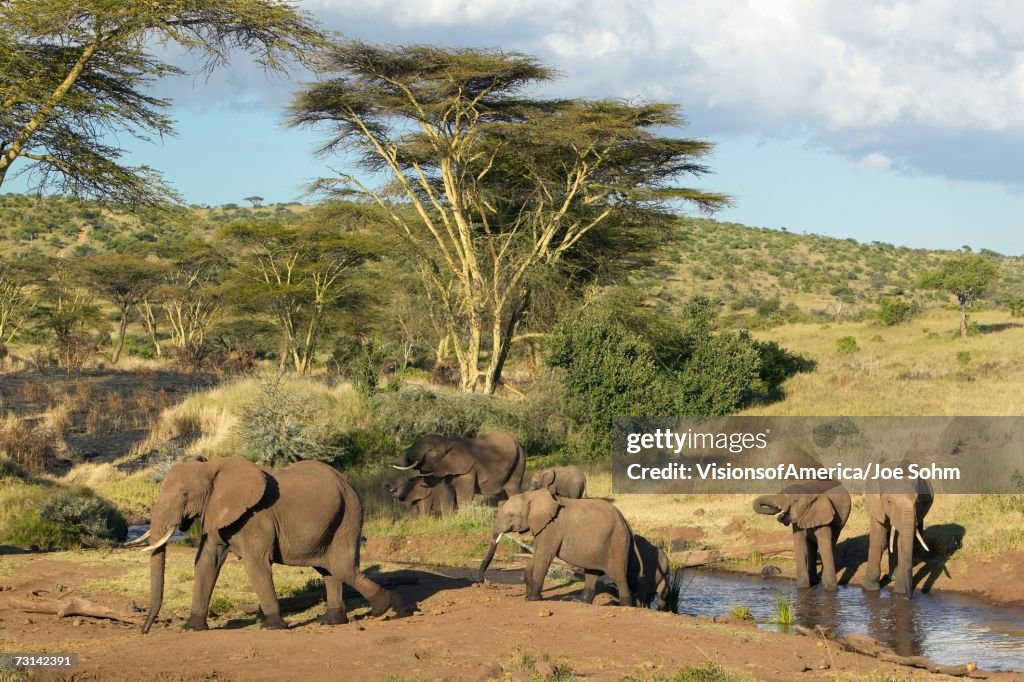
(944, 540)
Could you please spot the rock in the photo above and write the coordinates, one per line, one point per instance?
(545, 669)
(76, 622)
(544, 613)
(770, 571)
(699, 511)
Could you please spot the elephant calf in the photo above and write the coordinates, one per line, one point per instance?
(567, 481)
(423, 494)
(591, 534)
(817, 512)
(648, 572)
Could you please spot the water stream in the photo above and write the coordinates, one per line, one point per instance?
(945, 627)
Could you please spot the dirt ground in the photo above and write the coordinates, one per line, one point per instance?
(459, 631)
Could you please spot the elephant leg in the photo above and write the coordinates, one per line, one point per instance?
(380, 599)
(538, 570)
(878, 535)
(465, 488)
(262, 579)
(826, 542)
(335, 614)
(209, 560)
(589, 586)
(621, 577)
(812, 556)
(800, 556)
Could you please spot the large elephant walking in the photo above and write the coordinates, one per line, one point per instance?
(817, 511)
(306, 514)
(491, 464)
(590, 533)
(897, 509)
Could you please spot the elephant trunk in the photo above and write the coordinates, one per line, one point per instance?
(491, 549)
(156, 585)
(766, 504)
(905, 549)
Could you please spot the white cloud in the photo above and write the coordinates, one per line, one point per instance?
(856, 77)
(876, 161)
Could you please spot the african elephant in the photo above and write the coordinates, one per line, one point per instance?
(591, 534)
(648, 572)
(817, 512)
(306, 514)
(562, 481)
(491, 464)
(897, 509)
(423, 494)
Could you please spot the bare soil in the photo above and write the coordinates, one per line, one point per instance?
(459, 631)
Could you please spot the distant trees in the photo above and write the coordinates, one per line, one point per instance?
(966, 277)
(254, 200)
(16, 303)
(495, 193)
(298, 273)
(123, 280)
(75, 75)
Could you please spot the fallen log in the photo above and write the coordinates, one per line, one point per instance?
(73, 606)
(869, 646)
(704, 557)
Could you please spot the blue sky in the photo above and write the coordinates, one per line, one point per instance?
(893, 121)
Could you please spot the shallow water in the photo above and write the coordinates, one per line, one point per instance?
(137, 531)
(945, 627)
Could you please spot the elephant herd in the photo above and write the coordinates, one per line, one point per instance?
(308, 514)
(818, 511)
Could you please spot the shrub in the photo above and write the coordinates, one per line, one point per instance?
(281, 425)
(53, 518)
(32, 449)
(718, 376)
(74, 350)
(963, 357)
(847, 345)
(895, 311)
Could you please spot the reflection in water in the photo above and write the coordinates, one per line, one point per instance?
(947, 628)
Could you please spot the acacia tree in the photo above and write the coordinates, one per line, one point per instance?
(300, 273)
(966, 277)
(16, 303)
(125, 281)
(75, 74)
(501, 187)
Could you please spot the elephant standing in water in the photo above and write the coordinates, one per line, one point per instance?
(817, 511)
(591, 534)
(897, 509)
(491, 464)
(306, 514)
(423, 495)
(567, 481)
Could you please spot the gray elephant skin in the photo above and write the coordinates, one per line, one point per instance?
(423, 495)
(817, 512)
(491, 464)
(591, 534)
(648, 572)
(896, 509)
(306, 514)
(569, 481)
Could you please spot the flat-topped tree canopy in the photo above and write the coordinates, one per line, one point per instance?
(495, 191)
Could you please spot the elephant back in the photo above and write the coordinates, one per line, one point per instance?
(500, 459)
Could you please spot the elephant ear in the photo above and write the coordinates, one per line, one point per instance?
(238, 485)
(819, 512)
(547, 478)
(455, 460)
(542, 510)
(417, 491)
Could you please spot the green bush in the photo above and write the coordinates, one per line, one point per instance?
(53, 518)
(282, 425)
(847, 345)
(895, 311)
(139, 347)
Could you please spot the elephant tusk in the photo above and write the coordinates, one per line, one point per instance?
(498, 539)
(139, 540)
(395, 466)
(163, 541)
(892, 539)
(921, 539)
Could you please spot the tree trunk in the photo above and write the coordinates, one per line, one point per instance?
(501, 342)
(121, 329)
(963, 319)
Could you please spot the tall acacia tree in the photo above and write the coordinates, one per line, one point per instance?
(503, 188)
(74, 75)
(966, 276)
